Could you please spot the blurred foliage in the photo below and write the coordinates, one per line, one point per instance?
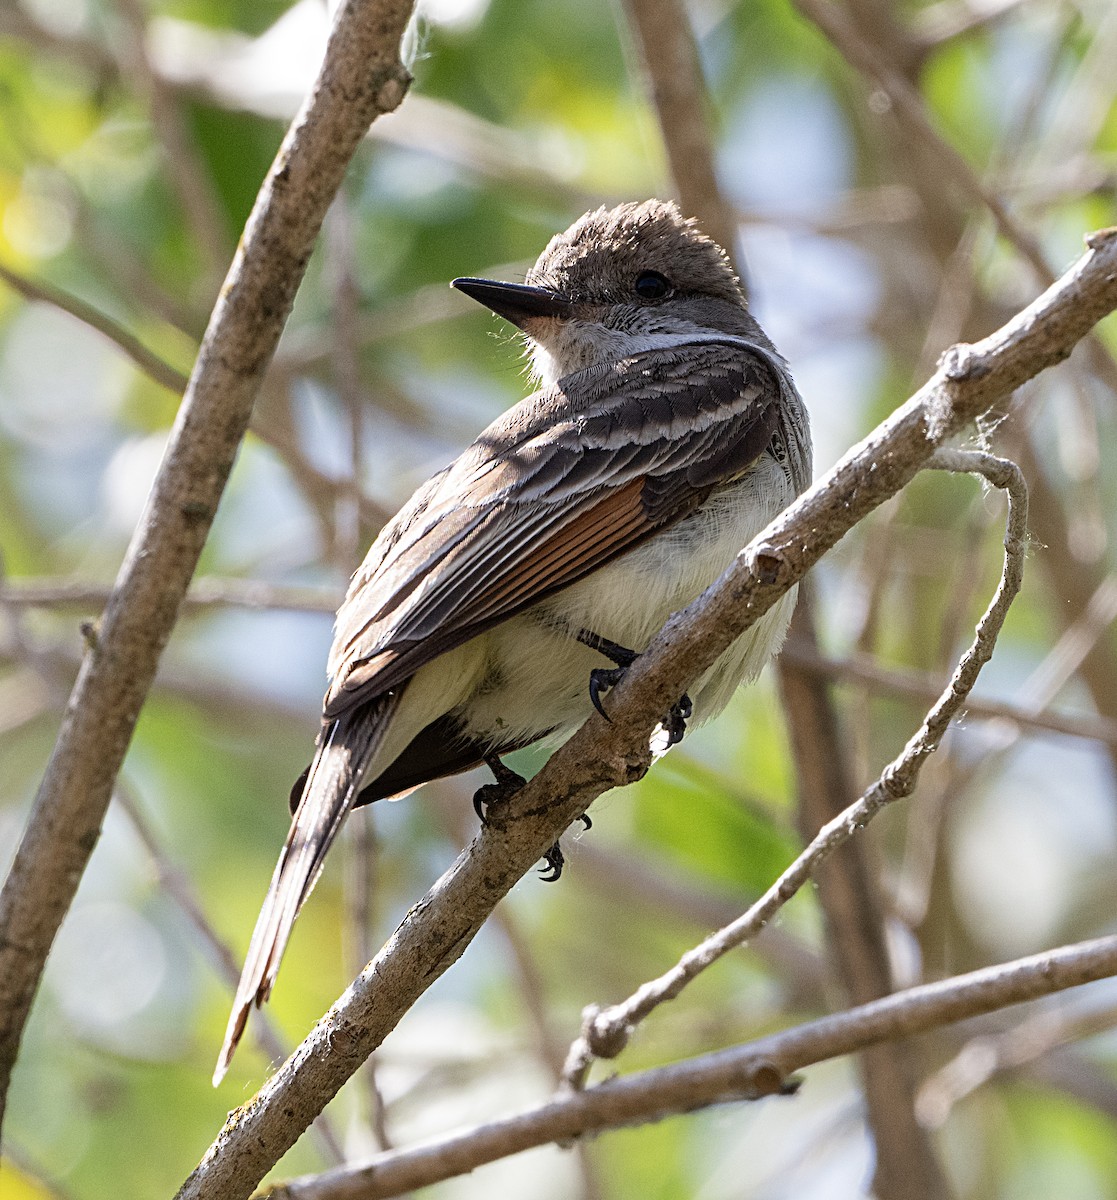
(522, 116)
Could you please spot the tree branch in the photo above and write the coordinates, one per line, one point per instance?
(920, 685)
(360, 78)
(605, 1033)
(746, 1072)
(146, 360)
(437, 929)
(905, 1163)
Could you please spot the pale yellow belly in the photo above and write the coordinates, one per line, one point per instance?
(536, 676)
(529, 677)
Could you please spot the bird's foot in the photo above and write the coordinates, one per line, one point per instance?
(604, 678)
(507, 784)
(677, 717)
(554, 859)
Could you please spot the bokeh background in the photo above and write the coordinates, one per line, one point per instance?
(133, 137)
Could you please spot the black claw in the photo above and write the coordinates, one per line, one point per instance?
(586, 822)
(677, 719)
(508, 782)
(554, 859)
(602, 679)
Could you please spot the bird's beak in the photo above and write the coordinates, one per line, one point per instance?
(516, 302)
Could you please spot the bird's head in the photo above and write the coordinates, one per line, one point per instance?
(620, 280)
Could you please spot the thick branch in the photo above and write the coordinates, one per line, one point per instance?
(603, 754)
(745, 1072)
(361, 77)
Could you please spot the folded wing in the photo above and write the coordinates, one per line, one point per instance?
(557, 487)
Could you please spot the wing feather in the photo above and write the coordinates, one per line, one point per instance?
(564, 482)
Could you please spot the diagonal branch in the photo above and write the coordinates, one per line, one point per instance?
(360, 78)
(912, 110)
(146, 360)
(746, 1072)
(436, 931)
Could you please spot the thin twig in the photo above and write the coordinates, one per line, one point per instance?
(147, 361)
(605, 1032)
(919, 685)
(747, 1072)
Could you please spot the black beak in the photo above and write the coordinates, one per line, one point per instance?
(515, 302)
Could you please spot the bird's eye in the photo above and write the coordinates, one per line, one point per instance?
(651, 285)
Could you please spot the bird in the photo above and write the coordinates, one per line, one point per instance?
(513, 589)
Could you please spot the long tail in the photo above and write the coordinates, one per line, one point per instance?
(344, 751)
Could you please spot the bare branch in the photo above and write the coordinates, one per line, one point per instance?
(147, 361)
(436, 930)
(673, 77)
(919, 685)
(209, 592)
(746, 1072)
(605, 1032)
(361, 77)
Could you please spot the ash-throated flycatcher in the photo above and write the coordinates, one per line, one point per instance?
(665, 434)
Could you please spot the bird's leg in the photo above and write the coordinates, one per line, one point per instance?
(507, 784)
(602, 678)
